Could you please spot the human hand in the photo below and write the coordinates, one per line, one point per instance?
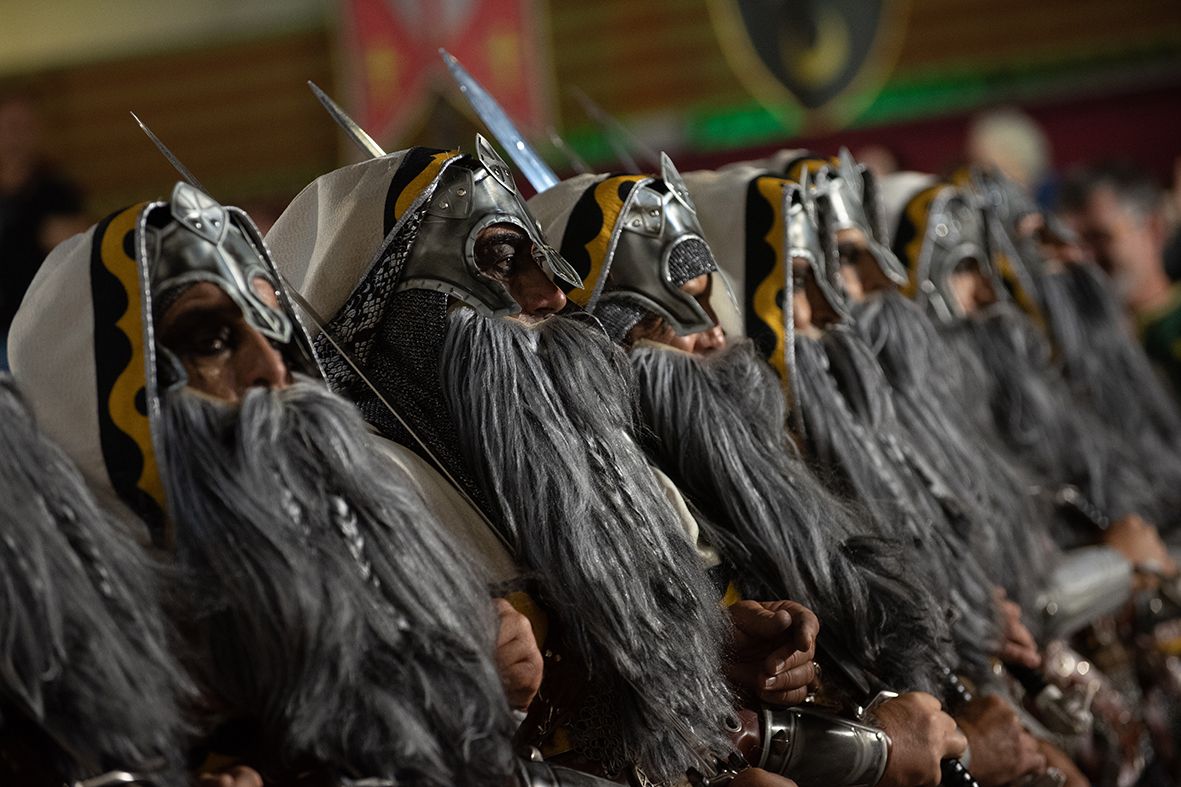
(238, 776)
(771, 653)
(1018, 646)
(518, 659)
(921, 737)
(1002, 751)
(1056, 758)
(1139, 542)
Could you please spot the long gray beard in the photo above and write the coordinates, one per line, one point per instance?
(716, 426)
(874, 470)
(1106, 366)
(85, 654)
(1038, 417)
(543, 414)
(340, 621)
(1010, 525)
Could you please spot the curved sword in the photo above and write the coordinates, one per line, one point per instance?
(357, 134)
(535, 170)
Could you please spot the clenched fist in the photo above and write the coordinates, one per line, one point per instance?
(518, 660)
(770, 656)
(921, 737)
(1002, 751)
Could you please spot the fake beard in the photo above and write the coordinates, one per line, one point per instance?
(872, 468)
(1038, 418)
(543, 416)
(1107, 367)
(337, 617)
(84, 653)
(716, 426)
(1009, 531)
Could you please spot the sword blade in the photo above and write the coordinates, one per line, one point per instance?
(535, 170)
(354, 132)
(619, 137)
(189, 177)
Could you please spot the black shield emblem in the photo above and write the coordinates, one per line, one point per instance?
(815, 49)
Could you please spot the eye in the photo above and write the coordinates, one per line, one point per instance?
(503, 265)
(215, 342)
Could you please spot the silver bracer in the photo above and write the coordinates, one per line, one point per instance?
(1088, 583)
(659, 223)
(470, 195)
(535, 773)
(815, 749)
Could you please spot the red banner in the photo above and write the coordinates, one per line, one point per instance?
(394, 68)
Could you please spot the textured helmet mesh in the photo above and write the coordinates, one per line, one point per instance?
(689, 259)
(618, 316)
(397, 339)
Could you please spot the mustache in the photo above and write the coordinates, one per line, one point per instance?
(1008, 529)
(347, 625)
(543, 413)
(877, 471)
(716, 426)
(86, 647)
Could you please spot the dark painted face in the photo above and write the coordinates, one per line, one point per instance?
(223, 354)
(506, 254)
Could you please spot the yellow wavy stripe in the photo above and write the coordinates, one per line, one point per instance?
(918, 210)
(766, 296)
(421, 181)
(132, 381)
(607, 198)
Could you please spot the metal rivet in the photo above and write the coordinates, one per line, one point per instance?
(444, 205)
(461, 192)
(653, 212)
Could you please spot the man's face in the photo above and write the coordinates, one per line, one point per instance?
(1122, 241)
(655, 329)
(860, 272)
(223, 355)
(505, 254)
(810, 309)
(970, 287)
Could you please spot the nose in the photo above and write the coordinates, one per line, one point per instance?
(710, 340)
(536, 294)
(259, 363)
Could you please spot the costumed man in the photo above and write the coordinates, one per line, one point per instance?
(90, 691)
(336, 633)
(437, 294)
(1009, 383)
(1100, 358)
(653, 284)
(865, 459)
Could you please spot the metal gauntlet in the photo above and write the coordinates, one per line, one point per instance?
(816, 749)
(1088, 583)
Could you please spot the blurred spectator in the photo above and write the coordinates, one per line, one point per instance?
(879, 159)
(1118, 212)
(39, 208)
(1013, 142)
